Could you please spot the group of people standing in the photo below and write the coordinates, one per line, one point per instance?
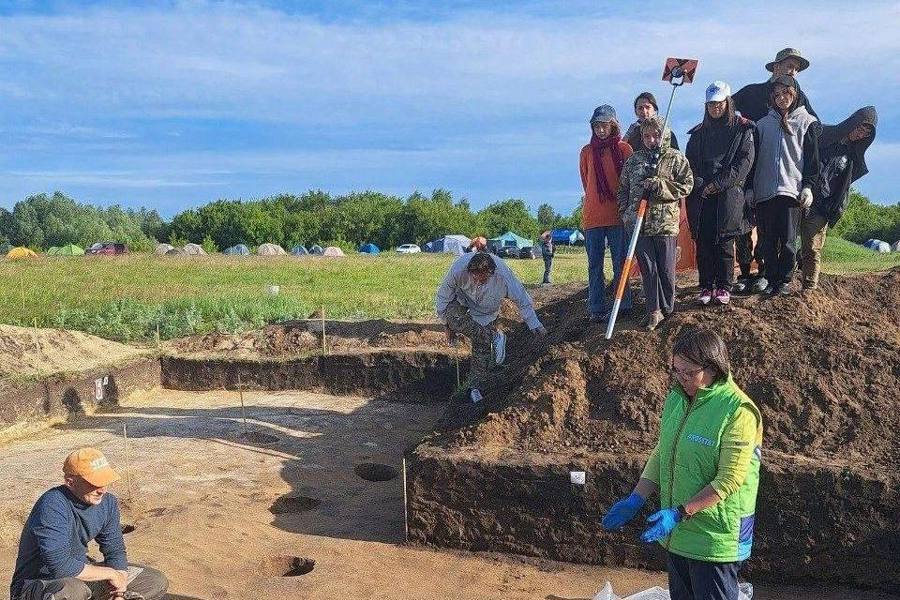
(759, 158)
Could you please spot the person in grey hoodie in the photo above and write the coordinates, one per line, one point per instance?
(785, 173)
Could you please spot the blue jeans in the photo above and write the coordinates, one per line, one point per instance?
(595, 242)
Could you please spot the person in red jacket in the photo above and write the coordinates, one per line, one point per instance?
(601, 165)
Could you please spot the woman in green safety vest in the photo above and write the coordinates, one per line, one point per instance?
(705, 467)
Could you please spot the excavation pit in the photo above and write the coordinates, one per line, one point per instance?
(287, 566)
(127, 528)
(258, 437)
(375, 472)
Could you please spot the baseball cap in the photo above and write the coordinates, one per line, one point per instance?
(717, 91)
(90, 465)
(603, 114)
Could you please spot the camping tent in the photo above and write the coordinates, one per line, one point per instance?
(270, 250)
(895, 247)
(454, 244)
(194, 250)
(52, 250)
(299, 250)
(369, 248)
(568, 237)
(69, 250)
(176, 252)
(20, 252)
(316, 250)
(509, 239)
(238, 250)
(162, 248)
(882, 247)
(332, 251)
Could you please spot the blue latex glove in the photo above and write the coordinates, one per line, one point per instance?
(664, 521)
(622, 511)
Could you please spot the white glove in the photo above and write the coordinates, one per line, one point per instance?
(806, 197)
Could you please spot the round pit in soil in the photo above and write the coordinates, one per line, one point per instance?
(287, 566)
(127, 528)
(375, 471)
(258, 437)
(293, 504)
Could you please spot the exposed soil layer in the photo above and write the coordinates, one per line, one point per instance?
(418, 375)
(823, 367)
(63, 395)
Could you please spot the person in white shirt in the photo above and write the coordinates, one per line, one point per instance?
(468, 303)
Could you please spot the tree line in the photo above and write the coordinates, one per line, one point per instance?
(42, 221)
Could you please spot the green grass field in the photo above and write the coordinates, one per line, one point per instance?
(126, 298)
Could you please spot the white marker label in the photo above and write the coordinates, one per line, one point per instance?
(577, 477)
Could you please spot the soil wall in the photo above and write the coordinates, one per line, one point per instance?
(814, 522)
(423, 376)
(62, 395)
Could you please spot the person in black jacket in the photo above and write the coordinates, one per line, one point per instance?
(842, 161)
(645, 107)
(721, 153)
(548, 249)
(752, 101)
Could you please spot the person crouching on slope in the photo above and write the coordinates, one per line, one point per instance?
(468, 302)
(663, 189)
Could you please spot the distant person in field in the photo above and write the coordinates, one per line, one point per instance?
(753, 102)
(705, 469)
(645, 107)
(663, 189)
(842, 160)
(784, 177)
(601, 163)
(721, 153)
(548, 249)
(53, 564)
(468, 303)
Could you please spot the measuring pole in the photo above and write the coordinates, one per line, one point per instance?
(677, 80)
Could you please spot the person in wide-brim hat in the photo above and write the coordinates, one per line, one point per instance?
(786, 54)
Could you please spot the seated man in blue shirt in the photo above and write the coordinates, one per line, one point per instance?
(53, 563)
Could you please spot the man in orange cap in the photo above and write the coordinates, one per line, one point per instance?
(52, 563)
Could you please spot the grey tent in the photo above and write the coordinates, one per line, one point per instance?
(454, 244)
(270, 250)
(176, 252)
(317, 250)
(299, 250)
(162, 248)
(238, 250)
(194, 250)
(895, 247)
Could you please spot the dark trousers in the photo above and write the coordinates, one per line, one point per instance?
(746, 253)
(548, 265)
(656, 255)
(700, 580)
(780, 221)
(149, 583)
(715, 257)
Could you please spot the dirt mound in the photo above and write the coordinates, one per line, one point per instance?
(823, 367)
(27, 352)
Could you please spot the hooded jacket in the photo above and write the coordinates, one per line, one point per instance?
(785, 162)
(664, 207)
(728, 171)
(753, 100)
(633, 137)
(840, 164)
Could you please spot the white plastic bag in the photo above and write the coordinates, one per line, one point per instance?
(745, 592)
(606, 593)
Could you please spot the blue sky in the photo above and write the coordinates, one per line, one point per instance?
(175, 104)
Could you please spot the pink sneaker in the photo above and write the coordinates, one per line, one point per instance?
(722, 296)
(704, 297)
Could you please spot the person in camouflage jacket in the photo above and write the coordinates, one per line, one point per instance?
(656, 249)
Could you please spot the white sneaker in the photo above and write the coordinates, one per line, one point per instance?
(475, 395)
(499, 347)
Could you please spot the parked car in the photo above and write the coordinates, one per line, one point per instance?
(529, 252)
(408, 249)
(507, 252)
(107, 249)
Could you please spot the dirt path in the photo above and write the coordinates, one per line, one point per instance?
(222, 514)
